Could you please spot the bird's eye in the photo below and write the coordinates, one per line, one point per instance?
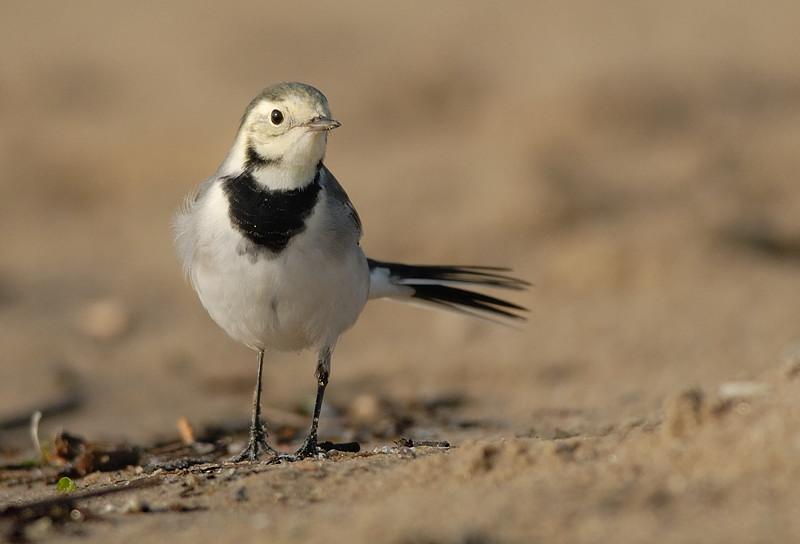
(276, 117)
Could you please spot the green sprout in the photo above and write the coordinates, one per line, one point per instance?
(65, 485)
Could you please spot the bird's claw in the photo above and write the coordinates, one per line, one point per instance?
(309, 449)
(255, 446)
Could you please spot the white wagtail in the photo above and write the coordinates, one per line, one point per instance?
(271, 245)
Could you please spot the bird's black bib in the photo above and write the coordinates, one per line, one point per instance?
(269, 218)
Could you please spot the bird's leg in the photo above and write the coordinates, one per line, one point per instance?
(309, 447)
(258, 436)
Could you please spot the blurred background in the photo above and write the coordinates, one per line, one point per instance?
(636, 161)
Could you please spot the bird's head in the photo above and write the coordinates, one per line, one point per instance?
(284, 129)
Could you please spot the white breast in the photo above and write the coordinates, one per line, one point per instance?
(305, 296)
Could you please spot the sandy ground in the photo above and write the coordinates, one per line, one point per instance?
(636, 161)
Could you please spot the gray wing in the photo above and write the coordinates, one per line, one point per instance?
(340, 199)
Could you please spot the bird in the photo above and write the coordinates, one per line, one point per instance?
(271, 245)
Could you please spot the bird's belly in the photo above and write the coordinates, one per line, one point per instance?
(291, 301)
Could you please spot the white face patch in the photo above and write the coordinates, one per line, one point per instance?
(273, 135)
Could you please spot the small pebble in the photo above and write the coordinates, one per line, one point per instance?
(241, 494)
(135, 506)
(741, 389)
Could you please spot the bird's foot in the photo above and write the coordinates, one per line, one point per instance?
(255, 446)
(308, 449)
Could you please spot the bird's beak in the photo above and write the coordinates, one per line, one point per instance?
(320, 124)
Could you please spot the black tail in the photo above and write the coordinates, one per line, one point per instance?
(442, 286)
